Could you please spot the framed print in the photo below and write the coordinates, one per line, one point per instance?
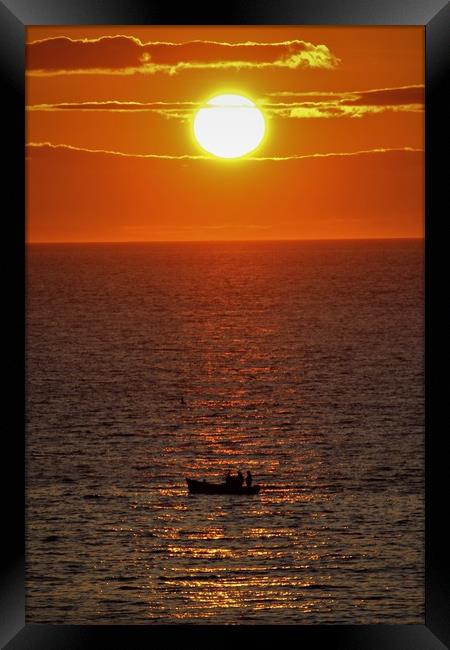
(228, 226)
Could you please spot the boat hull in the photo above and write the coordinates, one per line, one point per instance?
(203, 487)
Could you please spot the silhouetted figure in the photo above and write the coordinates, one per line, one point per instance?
(228, 478)
(248, 480)
(182, 401)
(240, 479)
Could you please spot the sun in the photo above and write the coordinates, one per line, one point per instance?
(229, 126)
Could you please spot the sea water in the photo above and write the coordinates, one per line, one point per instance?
(301, 361)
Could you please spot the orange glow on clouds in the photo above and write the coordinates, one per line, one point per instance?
(111, 156)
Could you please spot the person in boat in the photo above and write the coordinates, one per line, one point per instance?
(248, 479)
(228, 479)
(240, 479)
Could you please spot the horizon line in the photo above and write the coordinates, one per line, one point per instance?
(219, 241)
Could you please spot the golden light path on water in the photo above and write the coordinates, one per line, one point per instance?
(242, 574)
(280, 375)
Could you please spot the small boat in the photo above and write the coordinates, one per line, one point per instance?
(203, 487)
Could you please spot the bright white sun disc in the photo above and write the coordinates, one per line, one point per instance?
(229, 126)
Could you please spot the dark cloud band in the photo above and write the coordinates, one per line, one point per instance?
(125, 54)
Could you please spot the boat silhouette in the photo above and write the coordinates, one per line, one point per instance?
(204, 487)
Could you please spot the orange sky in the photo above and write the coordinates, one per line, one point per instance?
(110, 154)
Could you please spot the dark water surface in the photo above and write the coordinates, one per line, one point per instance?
(302, 361)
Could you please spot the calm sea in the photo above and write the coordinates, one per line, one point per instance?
(301, 361)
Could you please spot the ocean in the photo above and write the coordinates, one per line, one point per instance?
(301, 361)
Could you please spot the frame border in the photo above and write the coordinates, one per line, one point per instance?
(15, 16)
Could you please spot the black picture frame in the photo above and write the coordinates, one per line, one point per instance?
(15, 16)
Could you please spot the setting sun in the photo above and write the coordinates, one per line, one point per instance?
(229, 126)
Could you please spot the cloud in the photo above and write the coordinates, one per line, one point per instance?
(128, 55)
(389, 96)
(326, 111)
(48, 146)
(306, 105)
(113, 105)
(170, 110)
(396, 95)
(346, 104)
